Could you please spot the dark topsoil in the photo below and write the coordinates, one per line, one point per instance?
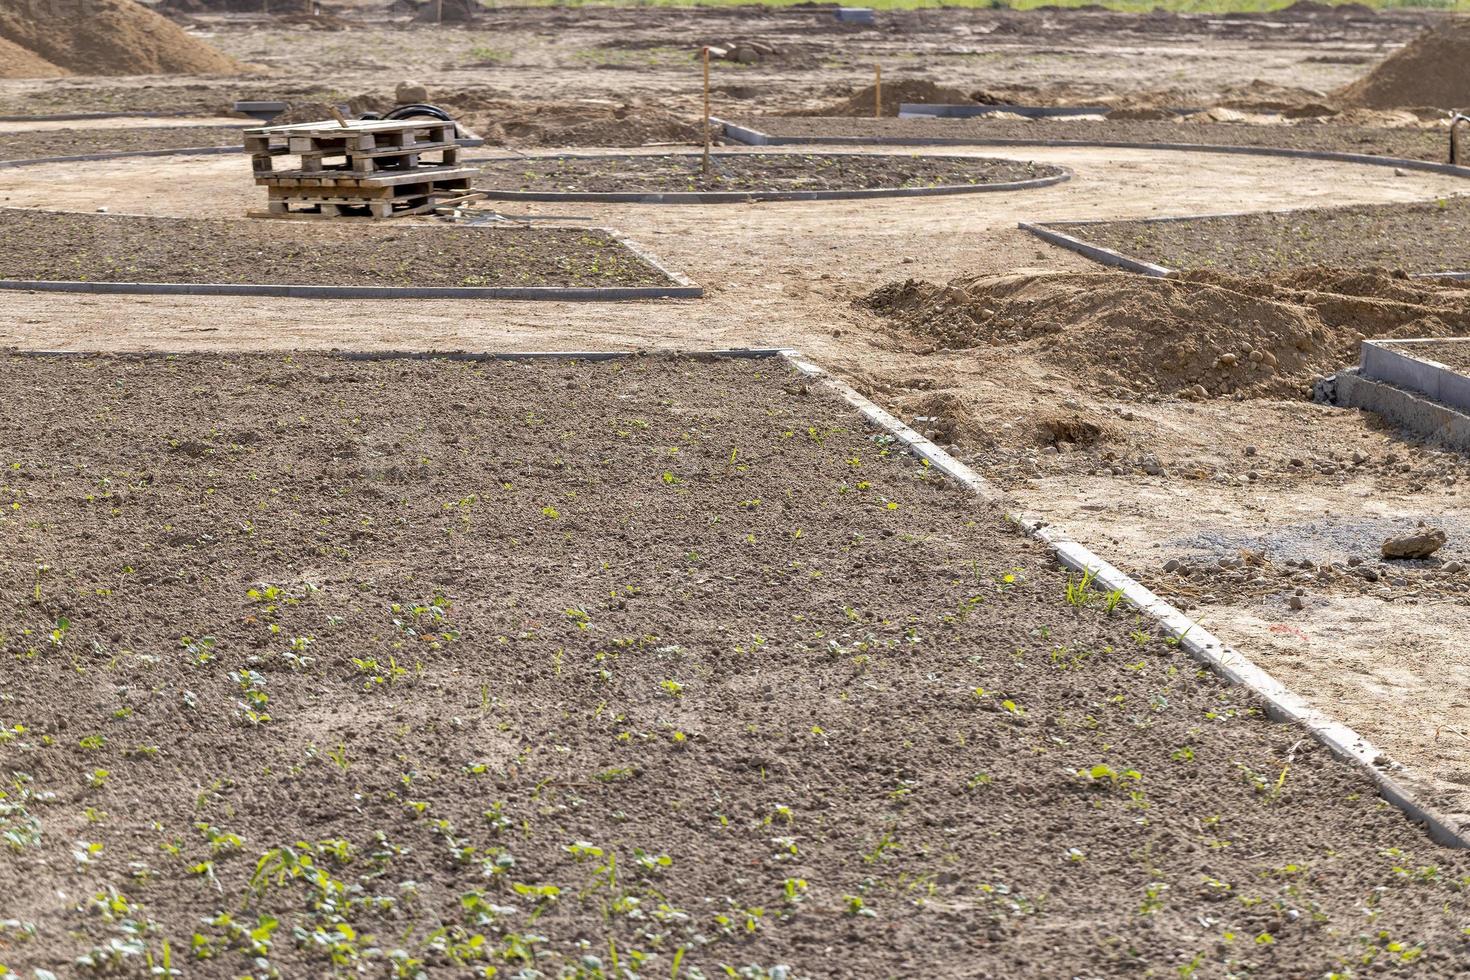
(1433, 236)
(1414, 144)
(752, 172)
(76, 142)
(125, 248)
(609, 662)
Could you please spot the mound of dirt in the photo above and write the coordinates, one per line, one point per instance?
(19, 62)
(895, 92)
(1204, 335)
(108, 37)
(1431, 70)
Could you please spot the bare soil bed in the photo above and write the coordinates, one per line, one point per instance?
(1455, 356)
(1433, 236)
(78, 142)
(752, 172)
(316, 665)
(1407, 142)
(49, 245)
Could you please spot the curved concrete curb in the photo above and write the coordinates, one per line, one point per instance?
(679, 287)
(1108, 256)
(1394, 782)
(746, 197)
(754, 137)
(123, 154)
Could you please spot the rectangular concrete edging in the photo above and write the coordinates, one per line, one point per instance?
(1408, 409)
(1202, 645)
(1381, 361)
(1097, 253)
(679, 287)
(1234, 667)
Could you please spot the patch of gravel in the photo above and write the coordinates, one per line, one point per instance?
(753, 172)
(46, 245)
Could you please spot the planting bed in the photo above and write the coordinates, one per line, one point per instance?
(56, 246)
(753, 172)
(1454, 355)
(1417, 144)
(317, 665)
(79, 142)
(1433, 236)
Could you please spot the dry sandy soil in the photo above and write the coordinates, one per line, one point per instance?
(1386, 659)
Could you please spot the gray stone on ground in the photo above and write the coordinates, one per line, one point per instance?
(1421, 544)
(410, 93)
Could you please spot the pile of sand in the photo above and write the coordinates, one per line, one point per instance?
(1431, 70)
(1267, 336)
(19, 62)
(895, 92)
(99, 37)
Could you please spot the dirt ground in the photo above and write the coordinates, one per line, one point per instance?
(1165, 479)
(608, 667)
(1432, 236)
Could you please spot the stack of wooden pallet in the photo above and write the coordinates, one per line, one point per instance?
(377, 168)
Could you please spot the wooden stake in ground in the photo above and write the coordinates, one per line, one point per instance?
(877, 91)
(706, 111)
(439, 11)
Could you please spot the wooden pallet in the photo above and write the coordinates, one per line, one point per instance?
(372, 167)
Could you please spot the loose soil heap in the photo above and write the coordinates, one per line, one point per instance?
(105, 37)
(752, 172)
(1432, 70)
(19, 62)
(1421, 237)
(1205, 334)
(46, 245)
(316, 667)
(895, 93)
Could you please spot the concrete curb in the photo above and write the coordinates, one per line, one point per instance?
(1097, 253)
(1394, 782)
(747, 197)
(1410, 410)
(754, 137)
(680, 286)
(122, 155)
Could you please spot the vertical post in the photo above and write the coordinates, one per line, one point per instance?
(877, 91)
(706, 111)
(439, 11)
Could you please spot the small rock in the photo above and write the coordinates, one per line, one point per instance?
(1250, 450)
(410, 93)
(102, 210)
(1171, 565)
(1421, 544)
(1451, 567)
(1400, 172)
(1295, 602)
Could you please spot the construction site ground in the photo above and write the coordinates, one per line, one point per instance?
(1384, 660)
